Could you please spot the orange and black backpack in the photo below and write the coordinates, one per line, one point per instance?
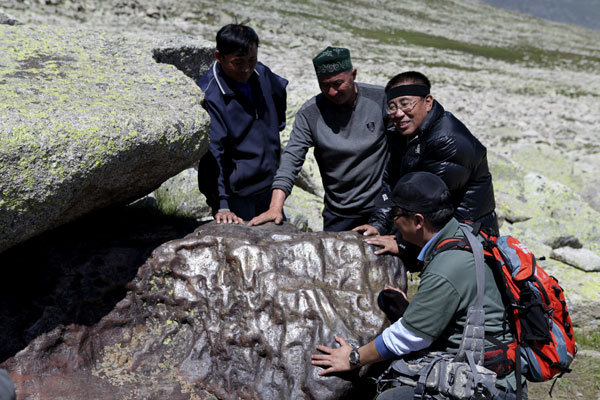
(535, 309)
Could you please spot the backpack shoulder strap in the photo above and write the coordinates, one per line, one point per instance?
(472, 346)
(477, 249)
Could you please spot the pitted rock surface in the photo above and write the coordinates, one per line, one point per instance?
(226, 312)
(88, 119)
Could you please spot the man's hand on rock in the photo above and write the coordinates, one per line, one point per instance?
(333, 359)
(367, 230)
(275, 211)
(271, 215)
(227, 217)
(387, 243)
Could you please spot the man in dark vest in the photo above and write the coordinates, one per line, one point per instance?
(246, 103)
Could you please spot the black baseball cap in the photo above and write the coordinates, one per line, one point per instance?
(419, 192)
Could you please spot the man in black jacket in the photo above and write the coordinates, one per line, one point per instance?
(433, 140)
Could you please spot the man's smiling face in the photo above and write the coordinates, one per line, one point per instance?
(408, 112)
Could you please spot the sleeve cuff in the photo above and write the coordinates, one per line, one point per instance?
(285, 189)
(223, 204)
(417, 332)
(382, 348)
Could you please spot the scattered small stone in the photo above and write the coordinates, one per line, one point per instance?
(589, 353)
(7, 19)
(583, 259)
(564, 241)
(154, 13)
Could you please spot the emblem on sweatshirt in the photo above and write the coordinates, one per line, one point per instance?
(371, 126)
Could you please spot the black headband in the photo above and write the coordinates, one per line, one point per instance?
(407, 90)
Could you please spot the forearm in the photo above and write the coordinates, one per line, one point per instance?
(289, 168)
(293, 155)
(277, 199)
(369, 354)
(217, 135)
(380, 220)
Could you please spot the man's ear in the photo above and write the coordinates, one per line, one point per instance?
(419, 221)
(354, 73)
(218, 56)
(428, 102)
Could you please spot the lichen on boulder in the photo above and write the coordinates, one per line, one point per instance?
(88, 119)
(546, 216)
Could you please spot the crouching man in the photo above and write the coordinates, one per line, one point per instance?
(434, 320)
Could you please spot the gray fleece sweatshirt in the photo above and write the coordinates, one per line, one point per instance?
(350, 149)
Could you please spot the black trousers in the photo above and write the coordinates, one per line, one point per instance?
(336, 223)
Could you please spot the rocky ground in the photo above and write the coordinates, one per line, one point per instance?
(513, 81)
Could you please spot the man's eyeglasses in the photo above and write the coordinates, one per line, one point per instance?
(399, 214)
(405, 106)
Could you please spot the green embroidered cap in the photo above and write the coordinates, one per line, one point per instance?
(332, 60)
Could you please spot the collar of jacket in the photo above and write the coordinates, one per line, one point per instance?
(226, 90)
(450, 230)
(432, 116)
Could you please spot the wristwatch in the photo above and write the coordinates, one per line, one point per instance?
(354, 357)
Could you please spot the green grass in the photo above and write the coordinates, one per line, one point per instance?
(442, 64)
(167, 204)
(587, 340)
(523, 54)
(583, 382)
(573, 93)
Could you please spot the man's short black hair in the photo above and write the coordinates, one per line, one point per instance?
(414, 77)
(236, 39)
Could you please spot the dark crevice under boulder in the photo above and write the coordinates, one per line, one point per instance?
(75, 274)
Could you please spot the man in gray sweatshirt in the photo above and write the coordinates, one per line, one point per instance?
(345, 124)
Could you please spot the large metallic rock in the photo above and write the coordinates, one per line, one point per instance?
(227, 312)
(88, 119)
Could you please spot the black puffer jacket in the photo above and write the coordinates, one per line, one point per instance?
(444, 146)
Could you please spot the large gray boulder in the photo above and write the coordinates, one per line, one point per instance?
(227, 312)
(88, 119)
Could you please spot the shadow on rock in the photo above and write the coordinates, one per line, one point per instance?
(77, 273)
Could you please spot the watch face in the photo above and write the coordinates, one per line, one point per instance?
(354, 357)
